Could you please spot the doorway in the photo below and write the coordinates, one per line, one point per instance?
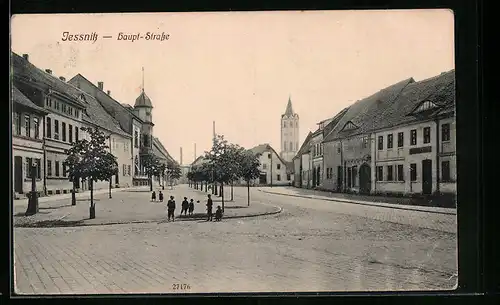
(365, 179)
(18, 174)
(263, 179)
(427, 177)
(340, 178)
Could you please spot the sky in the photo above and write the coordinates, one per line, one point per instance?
(240, 68)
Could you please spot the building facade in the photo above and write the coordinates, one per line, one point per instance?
(27, 143)
(272, 167)
(289, 133)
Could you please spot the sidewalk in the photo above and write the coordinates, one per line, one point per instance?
(133, 206)
(378, 201)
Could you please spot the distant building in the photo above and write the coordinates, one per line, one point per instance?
(289, 133)
(274, 170)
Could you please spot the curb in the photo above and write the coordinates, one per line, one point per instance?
(360, 203)
(280, 209)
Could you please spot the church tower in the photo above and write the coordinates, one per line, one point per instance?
(143, 108)
(289, 133)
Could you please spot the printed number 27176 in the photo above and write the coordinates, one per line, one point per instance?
(181, 287)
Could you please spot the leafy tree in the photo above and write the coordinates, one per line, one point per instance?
(151, 166)
(90, 161)
(173, 172)
(249, 169)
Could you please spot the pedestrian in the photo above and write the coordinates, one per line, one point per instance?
(171, 208)
(209, 208)
(218, 214)
(153, 196)
(191, 207)
(160, 196)
(185, 206)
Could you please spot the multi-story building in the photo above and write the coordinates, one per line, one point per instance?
(348, 144)
(273, 168)
(289, 133)
(415, 144)
(301, 164)
(27, 142)
(61, 126)
(129, 121)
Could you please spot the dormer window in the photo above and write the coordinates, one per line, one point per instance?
(349, 126)
(424, 106)
(82, 98)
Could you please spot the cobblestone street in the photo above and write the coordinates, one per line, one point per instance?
(312, 245)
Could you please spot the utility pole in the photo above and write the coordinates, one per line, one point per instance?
(271, 155)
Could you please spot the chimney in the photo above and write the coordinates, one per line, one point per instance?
(181, 156)
(100, 85)
(109, 93)
(26, 56)
(48, 71)
(62, 78)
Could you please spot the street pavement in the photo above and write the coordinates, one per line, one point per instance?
(312, 245)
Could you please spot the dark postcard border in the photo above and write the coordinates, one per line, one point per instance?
(469, 146)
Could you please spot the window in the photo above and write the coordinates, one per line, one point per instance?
(338, 150)
(288, 177)
(291, 146)
(128, 170)
(278, 166)
(425, 106)
(36, 126)
(413, 137)
(413, 172)
(264, 166)
(76, 134)
(380, 142)
(70, 110)
(380, 173)
(63, 130)
(49, 168)
(389, 141)
(38, 163)
(445, 132)
(401, 137)
(284, 124)
(70, 133)
(354, 175)
(278, 177)
(63, 107)
(389, 173)
(427, 135)
(27, 124)
(136, 139)
(445, 171)
(57, 168)
(269, 155)
(400, 173)
(77, 113)
(56, 129)
(124, 169)
(28, 167)
(365, 142)
(49, 128)
(64, 170)
(57, 105)
(17, 123)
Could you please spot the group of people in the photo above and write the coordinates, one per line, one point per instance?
(187, 207)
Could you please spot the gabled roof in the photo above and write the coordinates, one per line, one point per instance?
(107, 101)
(305, 146)
(364, 113)
(439, 90)
(161, 149)
(19, 98)
(260, 149)
(23, 69)
(94, 113)
(199, 160)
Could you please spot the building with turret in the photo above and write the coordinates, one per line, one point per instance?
(289, 133)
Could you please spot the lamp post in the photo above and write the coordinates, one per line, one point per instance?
(33, 195)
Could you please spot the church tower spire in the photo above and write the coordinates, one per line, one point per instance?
(289, 132)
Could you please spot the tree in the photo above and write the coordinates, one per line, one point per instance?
(173, 172)
(223, 160)
(151, 166)
(90, 161)
(249, 169)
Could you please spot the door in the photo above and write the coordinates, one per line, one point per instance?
(314, 177)
(18, 174)
(339, 178)
(263, 179)
(365, 183)
(427, 177)
(117, 179)
(318, 176)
